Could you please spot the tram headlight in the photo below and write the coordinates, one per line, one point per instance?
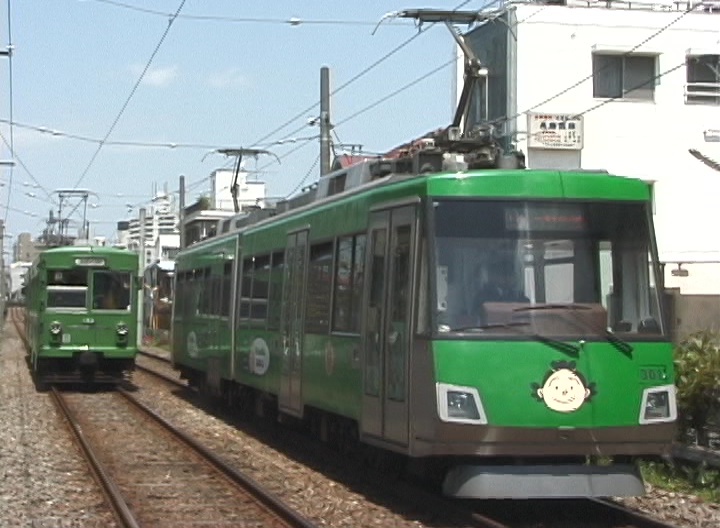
(122, 331)
(658, 405)
(460, 404)
(56, 330)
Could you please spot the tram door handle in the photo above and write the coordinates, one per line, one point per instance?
(88, 321)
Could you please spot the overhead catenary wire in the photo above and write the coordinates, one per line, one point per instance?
(292, 21)
(11, 144)
(359, 75)
(639, 85)
(373, 105)
(562, 92)
(129, 143)
(307, 175)
(20, 162)
(420, 31)
(176, 145)
(171, 21)
(337, 90)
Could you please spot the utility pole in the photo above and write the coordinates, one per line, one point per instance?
(181, 213)
(141, 276)
(2, 266)
(325, 126)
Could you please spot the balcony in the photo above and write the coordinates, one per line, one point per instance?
(705, 93)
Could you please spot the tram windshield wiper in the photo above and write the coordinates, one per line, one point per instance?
(619, 343)
(552, 306)
(562, 346)
(623, 346)
(490, 326)
(568, 348)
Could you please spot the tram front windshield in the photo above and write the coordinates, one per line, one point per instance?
(549, 268)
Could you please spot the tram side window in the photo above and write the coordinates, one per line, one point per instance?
(203, 292)
(188, 307)
(260, 286)
(246, 288)
(111, 290)
(275, 293)
(67, 288)
(319, 288)
(180, 293)
(216, 289)
(350, 260)
(226, 289)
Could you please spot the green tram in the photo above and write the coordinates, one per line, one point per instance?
(81, 314)
(359, 307)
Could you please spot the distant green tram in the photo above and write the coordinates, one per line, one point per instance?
(81, 314)
(359, 307)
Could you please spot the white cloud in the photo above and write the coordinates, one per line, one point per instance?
(157, 76)
(231, 77)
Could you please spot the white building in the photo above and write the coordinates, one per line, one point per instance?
(162, 229)
(251, 193)
(18, 270)
(162, 233)
(627, 87)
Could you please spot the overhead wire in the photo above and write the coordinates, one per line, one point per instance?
(20, 162)
(640, 85)
(562, 92)
(337, 90)
(420, 31)
(10, 106)
(307, 175)
(292, 21)
(124, 143)
(359, 75)
(171, 21)
(396, 92)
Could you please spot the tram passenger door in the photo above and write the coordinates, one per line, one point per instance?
(386, 329)
(292, 323)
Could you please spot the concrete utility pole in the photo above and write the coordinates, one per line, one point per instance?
(325, 126)
(141, 274)
(181, 213)
(2, 267)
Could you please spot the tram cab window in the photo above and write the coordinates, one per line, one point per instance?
(111, 290)
(67, 288)
(576, 269)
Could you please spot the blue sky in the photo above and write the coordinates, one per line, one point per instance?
(227, 74)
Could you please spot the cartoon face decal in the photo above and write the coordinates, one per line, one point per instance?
(564, 389)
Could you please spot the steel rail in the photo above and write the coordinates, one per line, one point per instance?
(110, 489)
(269, 500)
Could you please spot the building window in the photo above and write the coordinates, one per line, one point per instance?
(703, 79)
(624, 76)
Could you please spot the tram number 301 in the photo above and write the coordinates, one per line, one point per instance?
(652, 373)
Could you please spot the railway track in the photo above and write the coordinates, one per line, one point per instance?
(155, 475)
(492, 514)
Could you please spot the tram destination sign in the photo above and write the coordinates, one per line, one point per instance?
(90, 261)
(555, 131)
